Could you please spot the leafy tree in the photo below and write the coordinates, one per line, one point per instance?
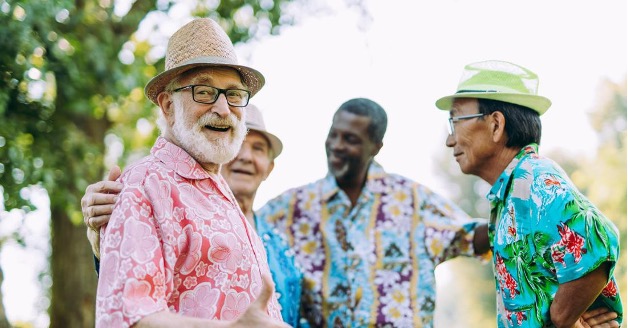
(71, 73)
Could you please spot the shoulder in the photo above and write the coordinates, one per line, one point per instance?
(540, 173)
(139, 172)
(295, 191)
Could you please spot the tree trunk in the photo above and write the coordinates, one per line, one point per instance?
(74, 284)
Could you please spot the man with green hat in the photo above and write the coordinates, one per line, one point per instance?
(553, 251)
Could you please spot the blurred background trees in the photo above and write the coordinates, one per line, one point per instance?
(71, 105)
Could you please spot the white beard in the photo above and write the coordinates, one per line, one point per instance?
(191, 138)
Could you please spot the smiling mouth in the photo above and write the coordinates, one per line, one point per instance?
(242, 172)
(218, 128)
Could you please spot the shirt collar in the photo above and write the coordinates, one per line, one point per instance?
(330, 187)
(498, 190)
(178, 160)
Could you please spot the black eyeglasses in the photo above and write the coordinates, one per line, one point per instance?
(455, 119)
(206, 94)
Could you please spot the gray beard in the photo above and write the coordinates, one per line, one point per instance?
(196, 144)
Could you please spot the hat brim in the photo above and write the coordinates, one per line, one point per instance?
(275, 144)
(539, 104)
(252, 78)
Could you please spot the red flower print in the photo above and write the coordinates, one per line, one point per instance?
(551, 182)
(511, 284)
(506, 280)
(610, 290)
(521, 317)
(572, 241)
(558, 255)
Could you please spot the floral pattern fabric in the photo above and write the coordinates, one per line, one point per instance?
(177, 241)
(372, 264)
(544, 232)
(286, 273)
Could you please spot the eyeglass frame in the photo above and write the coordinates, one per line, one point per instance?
(220, 91)
(455, 119)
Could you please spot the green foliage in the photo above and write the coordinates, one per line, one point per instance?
(64, 87)
(603, 176)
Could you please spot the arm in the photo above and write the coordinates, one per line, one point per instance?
(97, 205)
(480, 239)
(255, 315)
(574, 297)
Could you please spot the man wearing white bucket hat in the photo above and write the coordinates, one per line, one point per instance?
(553, 251)
(178, 251)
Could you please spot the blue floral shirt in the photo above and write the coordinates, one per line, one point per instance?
(544, 232)
(286, 274)
(371, 264)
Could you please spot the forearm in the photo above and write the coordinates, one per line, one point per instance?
(480, 239)
(573, 298)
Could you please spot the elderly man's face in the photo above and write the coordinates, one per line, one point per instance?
(472, 141)
(349, 148)
(211, 133)
(250, 167)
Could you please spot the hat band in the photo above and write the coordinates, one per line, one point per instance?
(210, 60)
(475, 91)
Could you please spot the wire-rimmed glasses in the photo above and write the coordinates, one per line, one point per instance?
(455, 119)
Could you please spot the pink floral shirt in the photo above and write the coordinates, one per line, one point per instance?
(177, 241)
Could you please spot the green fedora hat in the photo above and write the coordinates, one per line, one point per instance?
(498, 80)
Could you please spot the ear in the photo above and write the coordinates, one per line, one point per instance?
(270, 169)
(164, 100)
(498, 127)
(376, 149)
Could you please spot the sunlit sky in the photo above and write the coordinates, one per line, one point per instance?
(404, 56)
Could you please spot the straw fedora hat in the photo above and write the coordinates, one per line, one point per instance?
(255, 122)
(201, 42)
(498, 80)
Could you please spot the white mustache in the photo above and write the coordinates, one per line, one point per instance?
(214, 120)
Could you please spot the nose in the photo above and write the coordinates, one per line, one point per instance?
(450, 141)
(221, 107)
(245, 153)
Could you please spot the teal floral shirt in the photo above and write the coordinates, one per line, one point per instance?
(544, 232)
(287, 276)
(373, 264)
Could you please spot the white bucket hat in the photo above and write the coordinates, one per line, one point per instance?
(255, 122)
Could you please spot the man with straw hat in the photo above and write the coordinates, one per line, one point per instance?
(554, 252)
(244, 174)
(178, 251)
